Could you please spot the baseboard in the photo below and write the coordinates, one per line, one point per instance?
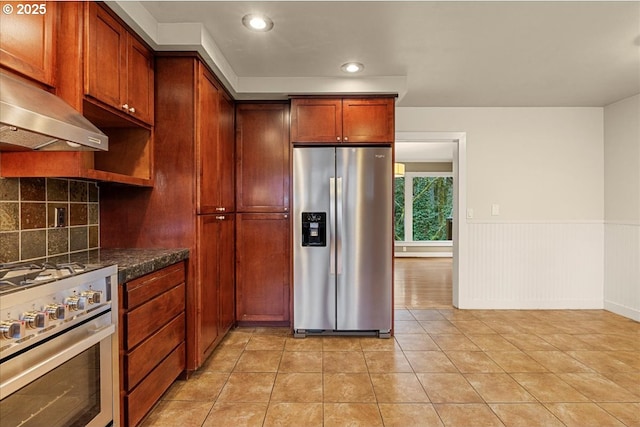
(595, 304)
(622, 310)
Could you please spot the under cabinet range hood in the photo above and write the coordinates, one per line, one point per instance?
(34, 119)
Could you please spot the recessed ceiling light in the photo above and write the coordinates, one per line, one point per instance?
(257, 22)
(352, 67)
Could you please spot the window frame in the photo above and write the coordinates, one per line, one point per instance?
(408, 209)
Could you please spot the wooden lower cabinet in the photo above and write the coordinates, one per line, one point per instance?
(152, 339)
(217, 295)
(263, 268)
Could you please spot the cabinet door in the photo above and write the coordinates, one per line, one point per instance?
(139, 80)
(208, 283)
(262, 158)
(226, 155)
(316, 120)
(368, 120)
(227, 266)
(262, 268)
(208, 176)
(106, 45)
(26, 39)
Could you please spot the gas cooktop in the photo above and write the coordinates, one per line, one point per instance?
(19, 276)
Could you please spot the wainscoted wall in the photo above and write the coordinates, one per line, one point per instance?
(27, 218)
(622, 269)
(531, 265)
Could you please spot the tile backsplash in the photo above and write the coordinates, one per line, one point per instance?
(28, 211)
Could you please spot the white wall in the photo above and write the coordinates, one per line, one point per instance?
(544, 167)
(622, 207)
(536, 163)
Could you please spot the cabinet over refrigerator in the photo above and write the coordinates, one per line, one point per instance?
(343, 240)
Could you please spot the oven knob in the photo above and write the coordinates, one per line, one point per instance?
(56, 311)
(93, 297)
(73, 303)
(35, 319)
(11, 329)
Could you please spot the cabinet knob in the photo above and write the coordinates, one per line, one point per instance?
(125, 106)
(346, 138)
(220, 217)
(220, 209)
(132, 110)
(337, 138)
(286, 209)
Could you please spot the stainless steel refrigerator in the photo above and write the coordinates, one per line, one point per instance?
(343, 240)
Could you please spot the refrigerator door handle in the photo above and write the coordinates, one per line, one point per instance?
(339, 238)
(332, 232)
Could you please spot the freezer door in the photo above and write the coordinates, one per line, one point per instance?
(314, 303)
(364, 238)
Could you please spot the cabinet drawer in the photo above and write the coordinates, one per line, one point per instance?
(149, 317)
(148, 354)
(147, 287)
(142, 399)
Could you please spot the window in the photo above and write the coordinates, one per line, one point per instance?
(423, 204)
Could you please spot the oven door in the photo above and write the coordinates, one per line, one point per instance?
(69, 380)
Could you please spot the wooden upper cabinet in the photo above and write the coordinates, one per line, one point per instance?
(91, 48)
(206, 126)
(105, 52)
(316, 120)
(368, 120)
(348, 120)
(140, 80)
(27, 43)
(118, 68)
(215, 146)
(226, 153)
(262, 157)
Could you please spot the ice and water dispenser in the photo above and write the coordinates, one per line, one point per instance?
(314, 229)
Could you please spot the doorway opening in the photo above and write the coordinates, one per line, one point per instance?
(428, 274)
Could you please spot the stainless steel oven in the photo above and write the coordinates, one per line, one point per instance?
(59, 349)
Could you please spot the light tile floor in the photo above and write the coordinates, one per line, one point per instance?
(443, 367)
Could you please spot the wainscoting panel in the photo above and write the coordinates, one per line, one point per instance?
(537, 265)
(622, 269)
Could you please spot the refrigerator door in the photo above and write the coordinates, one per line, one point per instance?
(314, 296)
(364, 238)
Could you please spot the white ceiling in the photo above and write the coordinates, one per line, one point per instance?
(432, 53)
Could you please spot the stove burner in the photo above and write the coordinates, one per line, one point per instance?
(18, 275)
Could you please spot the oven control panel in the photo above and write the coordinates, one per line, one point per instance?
(33, 314)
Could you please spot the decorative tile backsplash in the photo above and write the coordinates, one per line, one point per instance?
(45, 217)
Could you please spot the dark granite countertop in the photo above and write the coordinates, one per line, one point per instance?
(133, 263)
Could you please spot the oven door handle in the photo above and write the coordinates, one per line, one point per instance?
(32, 373)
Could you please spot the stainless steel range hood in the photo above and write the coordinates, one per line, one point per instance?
(34, 119)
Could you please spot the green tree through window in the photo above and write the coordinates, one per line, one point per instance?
(427, 211)
(398, 207)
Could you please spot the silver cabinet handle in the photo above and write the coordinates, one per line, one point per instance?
(220, 217)
(337, 138)
(132, 110)
(346, 138)
(125, 106)
(220, 209)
